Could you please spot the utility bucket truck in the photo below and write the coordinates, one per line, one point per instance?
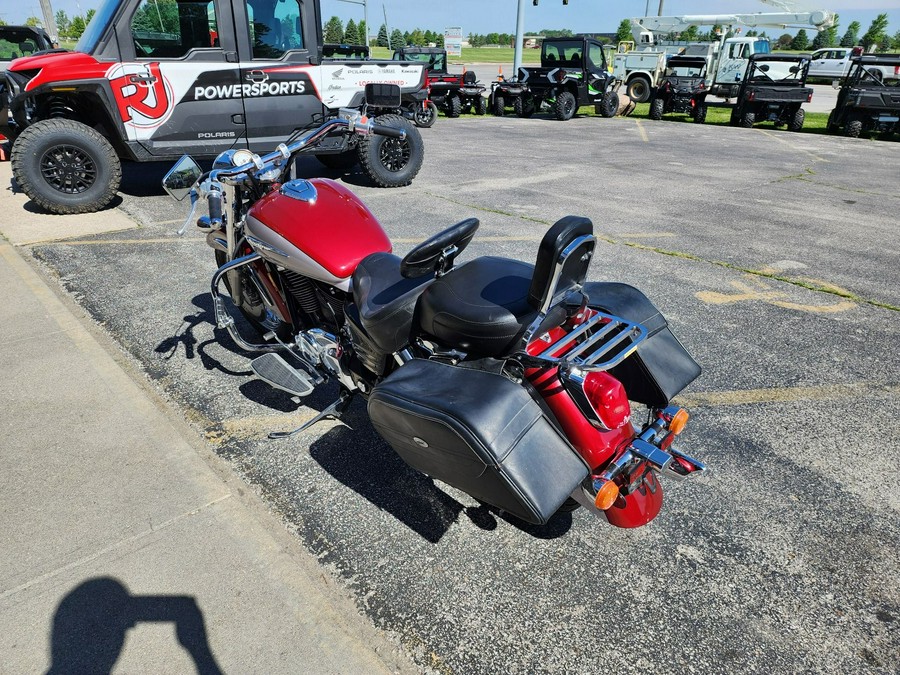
(726, 59)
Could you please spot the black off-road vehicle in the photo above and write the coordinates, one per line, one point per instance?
(452, 93)
(773, 90)
(149, 83)
(682, 89)
(573, 73)
(508, 93)
(869, 97)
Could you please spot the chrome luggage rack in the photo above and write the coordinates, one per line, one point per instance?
(588, 348)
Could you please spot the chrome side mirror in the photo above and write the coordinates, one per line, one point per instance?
(181, 178)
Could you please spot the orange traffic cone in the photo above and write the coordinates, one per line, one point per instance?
(499, 73)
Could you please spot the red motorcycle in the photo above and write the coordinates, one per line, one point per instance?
(509, 381)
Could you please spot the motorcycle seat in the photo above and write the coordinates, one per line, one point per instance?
(386, 300)
(481, 307)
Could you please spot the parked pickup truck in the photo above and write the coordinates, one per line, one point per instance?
(197, 76)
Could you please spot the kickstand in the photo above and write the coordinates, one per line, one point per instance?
(335, 410)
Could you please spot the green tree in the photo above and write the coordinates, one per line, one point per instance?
(89, 15)
(417, 37)
(397, 39)
(692, 34)
(895, 41)
(334, 30)
(362, 34)
(32, 21)
(382, 39)
(77, 27)
(851, 37)
(62, 23)
(877, 32)
(624, 31)
(439, 40)
(159, 17)
(351, 35)
(800, 41)
(784, 42)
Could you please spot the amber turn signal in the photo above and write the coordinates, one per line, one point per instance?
(679, 420)
(606, 495)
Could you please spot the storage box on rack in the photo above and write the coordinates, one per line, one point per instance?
(480, 433)
(661, 367)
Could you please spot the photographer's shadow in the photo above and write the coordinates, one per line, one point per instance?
(90, 624)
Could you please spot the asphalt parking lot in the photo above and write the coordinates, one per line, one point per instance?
(774, 257)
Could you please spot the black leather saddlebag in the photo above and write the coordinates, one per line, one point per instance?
(480, 433)
(661, 367)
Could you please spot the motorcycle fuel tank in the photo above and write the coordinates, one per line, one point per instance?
(317, 228)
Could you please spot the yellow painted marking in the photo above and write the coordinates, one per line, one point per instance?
(783, 394)
(765, 293)
(642, 131)
(777, 137)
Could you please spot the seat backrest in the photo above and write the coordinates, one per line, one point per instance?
(562, 261)
(469, 77)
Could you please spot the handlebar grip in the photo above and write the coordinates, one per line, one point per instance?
(393, 132)
(215, 207)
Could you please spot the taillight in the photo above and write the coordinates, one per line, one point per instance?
(607, 398)
(702, 85)
(809, 98)
(751, 96)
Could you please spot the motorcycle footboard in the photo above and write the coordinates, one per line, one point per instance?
(480, 433)
(661, 367)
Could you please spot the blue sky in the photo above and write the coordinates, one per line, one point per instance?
(486, 16)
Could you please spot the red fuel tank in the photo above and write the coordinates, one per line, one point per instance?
(316, 227)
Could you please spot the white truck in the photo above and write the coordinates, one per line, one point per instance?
(640, 70)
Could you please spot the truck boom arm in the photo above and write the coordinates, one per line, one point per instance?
(645, 29)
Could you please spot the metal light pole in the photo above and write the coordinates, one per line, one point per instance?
(520, 38)
(365, 5)
(49, 21)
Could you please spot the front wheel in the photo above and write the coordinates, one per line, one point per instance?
(565, 106)
(480, 105)
(796, 121)
(425, 117)
(499, 105)
(853, 128)
(390, 162)
(656, 109)
(700, 113)
(609, 105)
(748, 119)
(65, 166)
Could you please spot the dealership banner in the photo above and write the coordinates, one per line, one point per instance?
(453, 41)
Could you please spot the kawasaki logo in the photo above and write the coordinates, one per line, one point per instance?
(246, 90)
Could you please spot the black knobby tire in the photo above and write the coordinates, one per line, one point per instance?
(65, 166)
(454, 106)
(565, 106)
(499, 106)
(390, 162)
(796, 121)
(853, 128)
(609, 104)
(426, 117)
(748, 119)
(340, 161)
(700, 113)
(252, 307)
(639, 90)
(657, 106)
(524, 107)
(480, 105)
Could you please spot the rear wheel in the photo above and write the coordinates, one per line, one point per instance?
(565, 106)
(523, 106)
(748, 119)
(65, 166)
(499, 106)
(425, 117)
(656, 109)
(796, 121)
(853, 128)
(700, 113)
(480, 105)
(609, 104)
(454, 106)
(390, 162)
(639, 90)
